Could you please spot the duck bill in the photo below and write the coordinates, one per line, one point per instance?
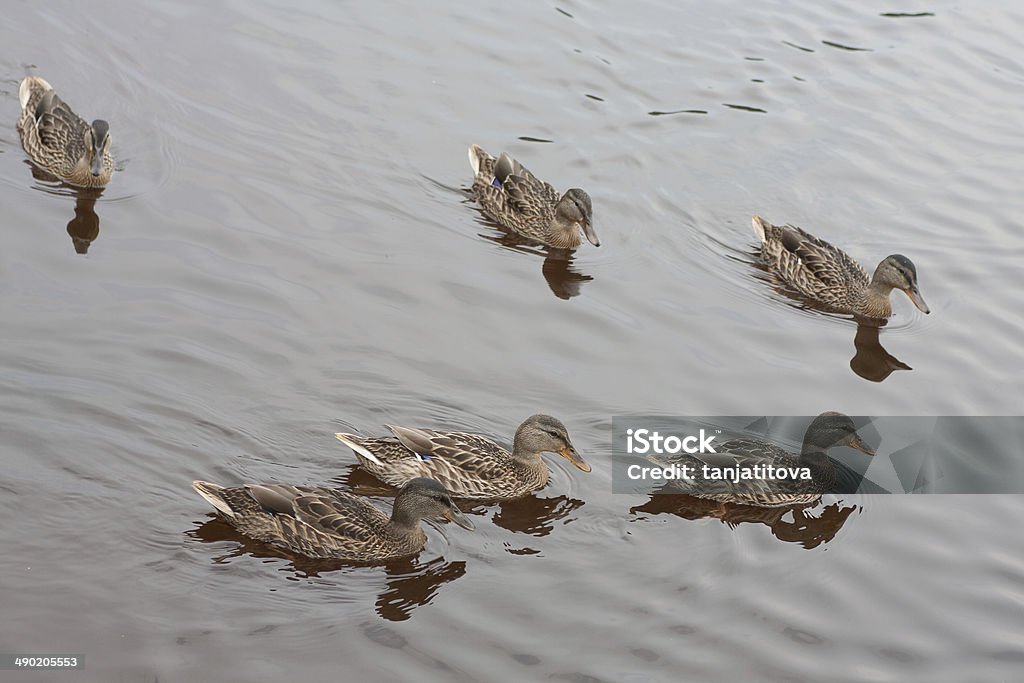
(97, 162)
(588, 231)
(915, 295)
(455, 515)
(570, 454)
(859, 444)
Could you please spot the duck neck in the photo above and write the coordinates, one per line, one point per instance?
(527, 460)
(816, 458)
(563, 236)
(875, 301)
(404, 516)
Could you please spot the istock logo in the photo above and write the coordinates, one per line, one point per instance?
(644, 441)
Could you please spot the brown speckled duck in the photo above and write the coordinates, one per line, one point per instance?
(830, 277)
(827, 431)
(468, 465)
(512, 196)
(59, 141)
(327, 523)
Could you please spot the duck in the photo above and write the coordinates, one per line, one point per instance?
(470, 466)
(514, 198)
(828, 430)
(331, 524)
(831, 278)
(59, 141)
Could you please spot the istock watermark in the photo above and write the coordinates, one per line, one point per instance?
(846, 454)
(695, 473)
(642, 441)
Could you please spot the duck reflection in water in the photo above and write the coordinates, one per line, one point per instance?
(408, 583)
(84, 227)
(531, 515)
(872, 361)
(791, 524)
(558, 270)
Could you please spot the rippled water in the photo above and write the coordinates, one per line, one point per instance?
(286, 253)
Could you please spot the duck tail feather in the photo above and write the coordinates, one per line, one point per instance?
(211, 493)
(352, 441)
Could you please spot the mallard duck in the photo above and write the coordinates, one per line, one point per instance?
(825, 432)
(829, 276)
(326, 523)
(468, 465)
(516, 199)
(57, 139)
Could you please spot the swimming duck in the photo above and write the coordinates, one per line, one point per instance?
(825, 432)
(59, 141)
(829, 276)
(468, 465)
(326, 523)
(516, 199)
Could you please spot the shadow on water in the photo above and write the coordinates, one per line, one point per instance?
(807, 530)
(84, 227)
(409, 583)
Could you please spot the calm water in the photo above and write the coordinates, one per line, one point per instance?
(286, 254)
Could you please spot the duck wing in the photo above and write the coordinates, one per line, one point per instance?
(744, 452)
(812, 257)
(321, 510)
(469, 453)
(58, 126)
(529, 197)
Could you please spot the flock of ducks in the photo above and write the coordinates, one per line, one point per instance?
(430, 468)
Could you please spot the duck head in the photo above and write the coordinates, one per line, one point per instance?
(830, 430)
(546, 434)
(97, 142)
(573, 214)
(424, 498)
(898, 272)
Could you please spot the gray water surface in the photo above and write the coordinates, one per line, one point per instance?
(286, 253)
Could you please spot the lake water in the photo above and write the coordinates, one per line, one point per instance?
(286, 253)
